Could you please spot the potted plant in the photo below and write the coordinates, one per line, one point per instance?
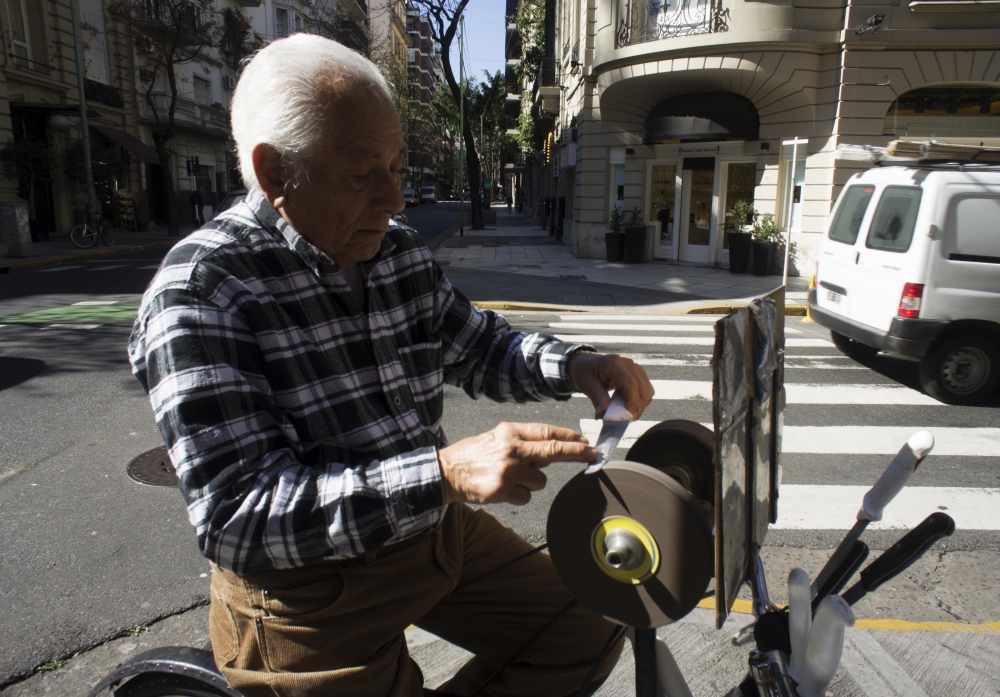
(739, 237)
(765, 245)
(615, 240)
(635, 237)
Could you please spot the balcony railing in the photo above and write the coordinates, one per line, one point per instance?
(652, 20)
(189, 113)
(548, 75)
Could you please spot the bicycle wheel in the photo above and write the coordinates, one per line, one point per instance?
(83, 236)
(107, 233)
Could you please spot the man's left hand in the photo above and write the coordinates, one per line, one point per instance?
(595, 374)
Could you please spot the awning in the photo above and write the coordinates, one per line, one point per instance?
(142, 152)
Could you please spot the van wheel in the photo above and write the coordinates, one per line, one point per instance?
(964, 370)
(852, 348)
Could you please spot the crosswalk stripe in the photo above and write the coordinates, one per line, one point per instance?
(703, 360)
(711, 319)
(148, 268)
(849, 440)
(97, 302)
(71, 326)
(804, 394)
(603, 340)
(644, 327)
(107, 268)
(834, 507)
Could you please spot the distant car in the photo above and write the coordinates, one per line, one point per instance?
(410, 196)
(428, 195)
(230, 200)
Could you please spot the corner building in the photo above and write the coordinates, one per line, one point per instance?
(680, 108)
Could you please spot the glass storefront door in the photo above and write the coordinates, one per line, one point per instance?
(662, 209)
(699, 181)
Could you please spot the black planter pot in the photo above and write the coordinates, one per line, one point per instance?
(635, 244)
(763, 257)
(615, 242)
(739, 251)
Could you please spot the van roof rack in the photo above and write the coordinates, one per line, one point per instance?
(929, 153)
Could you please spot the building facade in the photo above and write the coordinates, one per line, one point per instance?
(40, 139)
(681, 109)
(431, 145)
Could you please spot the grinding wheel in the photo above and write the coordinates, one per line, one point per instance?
(682, 449)
(631, 544)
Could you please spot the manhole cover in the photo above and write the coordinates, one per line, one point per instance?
(153, 467)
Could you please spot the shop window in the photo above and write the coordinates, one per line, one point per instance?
(663, 184)
(618, 187)
(957, 111)
(741, 181)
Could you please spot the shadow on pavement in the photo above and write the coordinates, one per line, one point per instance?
(14, 370)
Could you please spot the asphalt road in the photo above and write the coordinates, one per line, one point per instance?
(86, 554)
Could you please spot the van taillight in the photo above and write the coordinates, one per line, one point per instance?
(909, 304)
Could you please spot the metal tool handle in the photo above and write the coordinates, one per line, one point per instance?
(896, 475)
(901, 555)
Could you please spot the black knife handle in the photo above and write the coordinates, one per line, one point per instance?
(839, 577)
(907, 550)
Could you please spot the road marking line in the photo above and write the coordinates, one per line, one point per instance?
(644, 328)
(97, 302)
(71, 326)
(59, 268)
(644, 318)
(2, 326)
(835, 507)
(803, 393)
(147, 268)
(702, 360)
(108, 268)
(848, 440)
(602, 339)
(745, 607)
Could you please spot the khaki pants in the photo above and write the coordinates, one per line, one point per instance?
(336, 629)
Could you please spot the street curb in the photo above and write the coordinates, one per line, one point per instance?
(501, 305)
(10, 268)
(443, 237)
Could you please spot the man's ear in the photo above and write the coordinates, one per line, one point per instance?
(270, 173)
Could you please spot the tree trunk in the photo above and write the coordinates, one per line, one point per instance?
(173, 212)
(475, 178)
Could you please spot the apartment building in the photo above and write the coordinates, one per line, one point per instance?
(681, 108)
(39, 113)
(430, 143)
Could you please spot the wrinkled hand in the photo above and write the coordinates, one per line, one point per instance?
(504, 465)
(595, 374)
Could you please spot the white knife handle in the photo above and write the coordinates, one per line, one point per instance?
(826, 645)
(799, 620)
(896, 475)
(616, 411)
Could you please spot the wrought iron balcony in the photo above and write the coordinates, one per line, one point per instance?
(188, 113)
(652, 20)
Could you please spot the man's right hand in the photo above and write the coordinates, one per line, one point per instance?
(504, 465)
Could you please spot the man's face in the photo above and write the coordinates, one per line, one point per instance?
(350, 188)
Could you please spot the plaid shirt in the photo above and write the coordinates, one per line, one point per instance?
(304, 427)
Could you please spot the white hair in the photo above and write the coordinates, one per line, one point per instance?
(282, 93)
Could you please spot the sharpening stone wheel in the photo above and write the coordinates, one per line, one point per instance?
(661, 521)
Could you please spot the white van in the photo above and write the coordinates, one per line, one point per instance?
(910, 266)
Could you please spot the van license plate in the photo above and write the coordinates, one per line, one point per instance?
(834, 297)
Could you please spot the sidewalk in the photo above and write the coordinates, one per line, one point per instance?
(59, 249)
(515, 246)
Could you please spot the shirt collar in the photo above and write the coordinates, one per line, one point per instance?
(314, 257)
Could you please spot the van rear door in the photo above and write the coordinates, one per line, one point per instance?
(837, 257)
(885, 260)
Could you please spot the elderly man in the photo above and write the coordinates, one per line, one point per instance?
(295, 352)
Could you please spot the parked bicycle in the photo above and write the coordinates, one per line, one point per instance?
(90, 233)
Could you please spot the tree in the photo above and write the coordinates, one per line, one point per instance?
(444, 16)
(167, 34)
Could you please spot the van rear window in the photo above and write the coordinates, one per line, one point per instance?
(895, 216)
(847, 222)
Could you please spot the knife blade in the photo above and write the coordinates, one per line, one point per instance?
(616, 421)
